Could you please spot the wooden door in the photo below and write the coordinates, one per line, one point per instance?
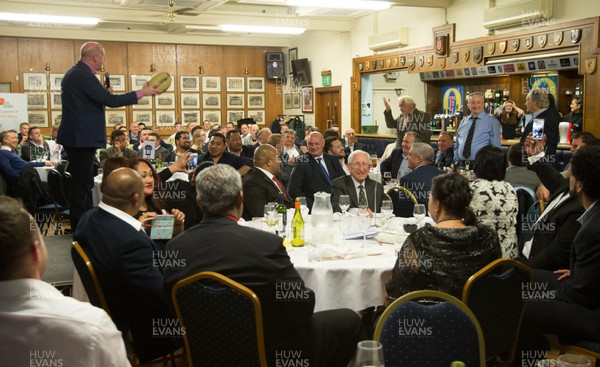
(328, 107)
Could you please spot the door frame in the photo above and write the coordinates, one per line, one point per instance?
(324, 90)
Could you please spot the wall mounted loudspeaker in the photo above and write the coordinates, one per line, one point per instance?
(275, 65)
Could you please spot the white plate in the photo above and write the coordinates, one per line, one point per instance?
(373, 251)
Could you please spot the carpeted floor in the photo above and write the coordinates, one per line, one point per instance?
(60, 266)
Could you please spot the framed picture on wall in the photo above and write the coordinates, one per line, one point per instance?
(115, 117)
(234, 116)
(211, 83)
(37, 100)
(38, 118)
(165, 101)
(190, 83)
(213, 116)
(235, 84)
(165, 118)
(256, 84)
(117, 82)
(137, 81)
(307, 99)
(295, 100)
(288, 101)
(190, 116)
(258, 116)
(235, 100)
(55, 81)
(35, 82)
(211, 100)
(143, 116)
(256, 101)
(55, 100)
(55, 117)
(144, 103)
(190, 100)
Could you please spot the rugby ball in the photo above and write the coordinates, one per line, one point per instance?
(163, 79)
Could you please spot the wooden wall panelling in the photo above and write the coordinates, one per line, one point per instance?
(34, 54)
(9, 67)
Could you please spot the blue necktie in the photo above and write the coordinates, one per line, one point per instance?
(324, 170)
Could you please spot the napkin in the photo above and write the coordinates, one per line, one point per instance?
(356, 235)
(341, 253)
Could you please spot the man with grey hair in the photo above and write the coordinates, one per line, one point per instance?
(258, 260)
(397, 163)
(410, 119)
(361, 189)
(418, 181)
(476, 130)
(538, 103)
(262, 137)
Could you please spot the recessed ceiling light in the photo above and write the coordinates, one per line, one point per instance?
(261, 29)
(341, 4)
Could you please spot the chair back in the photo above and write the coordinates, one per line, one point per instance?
(429, 334)
(179, 194)
(403, 201)
(55, 185)
(495, 295)
(216, 312)
(525, 198)
(88, 276)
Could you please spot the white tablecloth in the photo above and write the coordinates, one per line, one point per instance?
(43, 172)
(96, 193)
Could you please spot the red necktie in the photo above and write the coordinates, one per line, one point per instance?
(278, 183)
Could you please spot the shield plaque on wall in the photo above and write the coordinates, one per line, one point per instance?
(455, 57)
(478, 54)
(558, 38)
(542, 39)
(466, 55)
(502, 46)
(441, 45)
(575, 35)
(515, 45)
(529, 42)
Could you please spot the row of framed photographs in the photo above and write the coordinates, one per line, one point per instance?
(303, 99)
(157, 118)
(165, 101)
(38, 82)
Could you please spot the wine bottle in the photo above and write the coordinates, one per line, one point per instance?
(281, 210)
(297, 226)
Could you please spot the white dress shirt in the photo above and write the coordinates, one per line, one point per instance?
(42, 327)
(136, 224)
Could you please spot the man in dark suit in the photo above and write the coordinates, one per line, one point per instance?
(235, 146)
(410, 119)
(83, 125)
(396, 163)
(351, 142)
(418, 180)
(359, 164)
(119, 148)
(314, 171)
(261, 185)
(127, 264)
(259, 261)
(35, 148)
(566, 302)
(538, 104)
(444, 154)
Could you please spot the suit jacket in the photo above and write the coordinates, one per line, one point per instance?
(446, 157)
(256, 259)
(357, 146)
(345, 186)
(554, 235)
(83, 122)
(124, 260)
(258, 191)
(418, 121)
(418, 182)
(551, 121)
(28, 148)
(307, 178)
(392, 163)
(110, 152)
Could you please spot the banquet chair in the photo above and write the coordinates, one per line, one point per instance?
(525, 198)
(403, 203)
(494, 294)
(222, 320)
(93, 288)
(415, 331)
(55, 185)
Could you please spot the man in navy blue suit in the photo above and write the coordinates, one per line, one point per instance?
(83, 125)
(418, 181)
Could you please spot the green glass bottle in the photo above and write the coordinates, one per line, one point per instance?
(281, 210)
(297, 226)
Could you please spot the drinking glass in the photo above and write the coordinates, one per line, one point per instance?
(573, 360)
(419, 213)
(374, 161)
(344, 223)
(387, 208)
(303, 206)
(369, 353)
(344, 203)
(271, 217)
(364, 222)
(387, 177)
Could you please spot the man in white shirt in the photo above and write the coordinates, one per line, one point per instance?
(40, 326)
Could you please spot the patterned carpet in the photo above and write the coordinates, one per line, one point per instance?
(59, 271)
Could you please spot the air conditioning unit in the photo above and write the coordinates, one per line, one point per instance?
(392, 75)
(523, 13)
(385, 41)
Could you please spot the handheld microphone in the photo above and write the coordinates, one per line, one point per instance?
(107, 80)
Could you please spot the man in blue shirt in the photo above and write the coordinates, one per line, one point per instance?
(476, 130)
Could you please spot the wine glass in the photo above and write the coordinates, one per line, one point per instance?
(344, 203)
(419, 213)
(344, 223)
(387, 208)
(364, 222)
(369, 353)
(387, 177)
(303, 206)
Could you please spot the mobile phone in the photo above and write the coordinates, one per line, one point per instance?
(107, 80)
(537, 130)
